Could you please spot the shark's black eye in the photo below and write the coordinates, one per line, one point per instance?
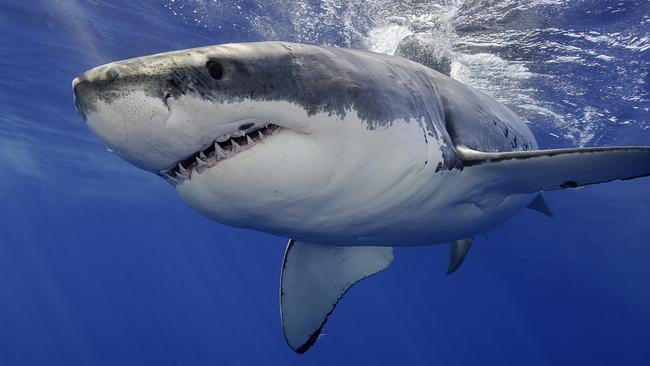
(215, 69)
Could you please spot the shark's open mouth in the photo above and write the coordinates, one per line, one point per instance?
(224, 147)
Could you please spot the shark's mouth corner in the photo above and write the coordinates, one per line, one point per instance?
(223, 148)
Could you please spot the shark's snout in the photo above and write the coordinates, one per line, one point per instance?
(79, 101)
(75, 82)
(79, 92)
(121, 103)
(86, 86)
(103, 74)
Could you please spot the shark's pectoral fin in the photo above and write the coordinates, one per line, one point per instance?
(539, 204)
(542, 170)
(314, 278)
(459, 249)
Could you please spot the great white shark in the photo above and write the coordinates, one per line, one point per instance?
(346, 152)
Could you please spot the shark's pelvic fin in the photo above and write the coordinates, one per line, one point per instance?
(459, 249)
(542, 170)
(314, 278)
(539, 204)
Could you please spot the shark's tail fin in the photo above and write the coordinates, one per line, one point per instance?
(543, 170)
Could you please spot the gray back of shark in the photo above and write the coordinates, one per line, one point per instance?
(378, 88)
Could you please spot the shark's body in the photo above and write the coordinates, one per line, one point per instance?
(351, 151)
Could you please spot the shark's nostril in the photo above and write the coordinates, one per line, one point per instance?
(111, 74)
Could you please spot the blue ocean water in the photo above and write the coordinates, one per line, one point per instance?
(102, 264)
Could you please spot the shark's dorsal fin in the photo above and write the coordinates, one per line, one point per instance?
(541, 170)
(314, 278)
(539, 204)
(459, 249)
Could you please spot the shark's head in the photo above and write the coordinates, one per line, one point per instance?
(258, 134)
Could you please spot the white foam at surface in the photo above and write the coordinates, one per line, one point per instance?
(386, 39)
(478, 37)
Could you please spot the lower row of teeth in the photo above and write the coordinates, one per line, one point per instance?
(220, 152)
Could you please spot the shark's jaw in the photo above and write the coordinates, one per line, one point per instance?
(344, 182)
(224, 147)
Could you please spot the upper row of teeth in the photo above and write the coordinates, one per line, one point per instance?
(181, 173)
(227, 137)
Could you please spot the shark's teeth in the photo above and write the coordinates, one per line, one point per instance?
(235, 146)
(218, 151)
(224, 147)
(169, 177)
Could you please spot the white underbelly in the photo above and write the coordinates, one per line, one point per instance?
(375, 187)
(448, 212)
